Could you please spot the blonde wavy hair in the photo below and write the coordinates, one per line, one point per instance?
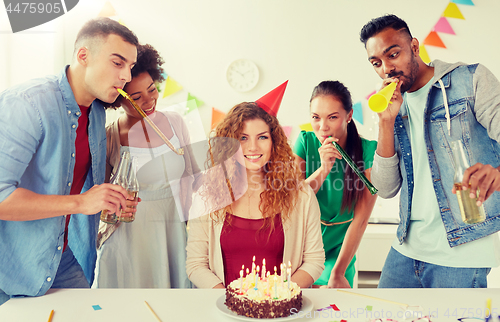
(281, 175)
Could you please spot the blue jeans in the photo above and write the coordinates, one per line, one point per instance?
(69, 275)
(403, 272)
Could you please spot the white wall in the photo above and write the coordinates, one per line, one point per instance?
(303, 41)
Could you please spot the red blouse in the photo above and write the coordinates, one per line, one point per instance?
(243, 239)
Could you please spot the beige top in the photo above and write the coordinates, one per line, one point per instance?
(187, 182)
(303, 243)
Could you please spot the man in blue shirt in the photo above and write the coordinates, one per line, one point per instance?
(432, 106)
(53, 152)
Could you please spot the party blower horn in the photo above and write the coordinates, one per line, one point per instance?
(378, 102)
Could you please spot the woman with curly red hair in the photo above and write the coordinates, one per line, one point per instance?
(276, 218)
(149, 252)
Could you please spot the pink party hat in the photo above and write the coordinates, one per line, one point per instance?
(272, 100)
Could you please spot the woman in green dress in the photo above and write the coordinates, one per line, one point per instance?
(345, 202)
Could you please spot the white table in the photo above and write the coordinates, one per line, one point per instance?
(199, 305)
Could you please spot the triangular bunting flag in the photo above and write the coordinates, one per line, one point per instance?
(433, 39)
(452, 11)
(217, 116)
(368, 96)
(424, 55)
(288, 130)
(443, 26)
(467, 2)
(171, 86)
(192, 103)
(357, 113)
(306, 127)
(107, 10)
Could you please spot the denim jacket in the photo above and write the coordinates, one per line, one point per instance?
(37, 149)
(462, 104)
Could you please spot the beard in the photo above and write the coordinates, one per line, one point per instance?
(408, 79)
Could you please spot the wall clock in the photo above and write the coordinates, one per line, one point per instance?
(242, 75)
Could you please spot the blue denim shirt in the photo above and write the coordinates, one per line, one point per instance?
(473, 99)
(37, 149)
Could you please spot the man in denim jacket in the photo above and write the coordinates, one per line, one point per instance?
(53, 148)
(432, 106)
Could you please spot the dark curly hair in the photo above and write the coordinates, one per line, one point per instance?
(376, 25)
(148, 60)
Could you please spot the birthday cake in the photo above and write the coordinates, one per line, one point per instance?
(263, 298)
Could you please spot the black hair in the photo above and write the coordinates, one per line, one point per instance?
(379, 24)
(148, 60)
(353, 186)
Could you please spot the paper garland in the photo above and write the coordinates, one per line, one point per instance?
(288, 130)
(192, 103)
(433, 39)
(443, 26)
(171, 87)
(107, 10)
(357, 113)
(452, 11)
(306, 127)
(466, 2)
(424, 55)
(217, 116)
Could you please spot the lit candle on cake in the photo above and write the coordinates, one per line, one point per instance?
(268, 277)
(263, 268)
(257, 277)
(246, 278)
(275, 287)
(253, 265)
(241, 281)
(282, 273)
(289, 277)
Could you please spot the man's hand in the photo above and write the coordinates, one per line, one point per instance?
(483, 177)
(396, 101)
(105, 196)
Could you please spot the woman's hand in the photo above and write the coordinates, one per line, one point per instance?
(328, 154)
(338, 281)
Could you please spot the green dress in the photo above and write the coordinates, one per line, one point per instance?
(330, 198)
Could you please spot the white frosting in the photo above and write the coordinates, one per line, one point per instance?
(267, 289)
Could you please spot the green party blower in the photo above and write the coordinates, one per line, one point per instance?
(354, 168)
(378, 102)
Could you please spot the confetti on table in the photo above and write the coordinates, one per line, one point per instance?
(369, 307)
(96, 307)
(325, 308)
(334, 307)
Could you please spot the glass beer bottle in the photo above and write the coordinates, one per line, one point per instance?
(118, 178)
(471, 213)
(132, 186)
